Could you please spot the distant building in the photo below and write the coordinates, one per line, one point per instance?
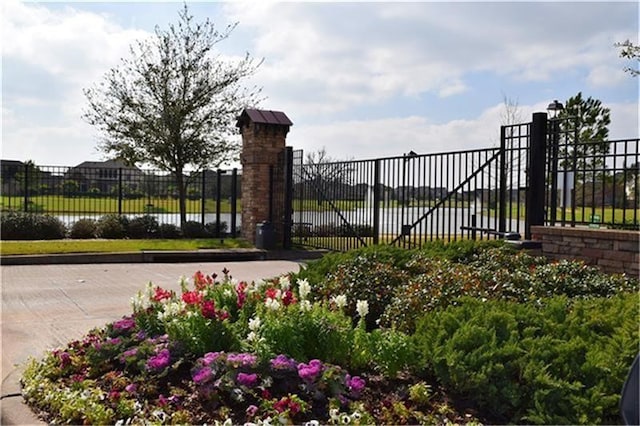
(105, 176)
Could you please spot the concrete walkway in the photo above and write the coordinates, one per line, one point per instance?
(46, 306)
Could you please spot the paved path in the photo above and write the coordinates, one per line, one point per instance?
(46, 306)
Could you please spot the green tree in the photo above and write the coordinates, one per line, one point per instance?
(584, 122)
(630, 51)
(173, 103)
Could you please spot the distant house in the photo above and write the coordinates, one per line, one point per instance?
(105, 176)
(9, 171)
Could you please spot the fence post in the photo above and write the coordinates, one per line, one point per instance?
(234, 200)
(203, 198)
(537, 156)
(553, 201)
(376, 202)
(26, 187)
(288, 198)
(502, 194)
(218, 204)
(120, 191)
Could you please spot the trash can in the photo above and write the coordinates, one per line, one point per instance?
(265, 236)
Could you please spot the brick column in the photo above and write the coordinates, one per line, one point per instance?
(263, 140)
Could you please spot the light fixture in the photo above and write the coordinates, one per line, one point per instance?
(554, 108)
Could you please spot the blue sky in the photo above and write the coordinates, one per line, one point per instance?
(363, 80)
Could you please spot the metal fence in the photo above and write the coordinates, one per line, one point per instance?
(73, 193)
(541, 174)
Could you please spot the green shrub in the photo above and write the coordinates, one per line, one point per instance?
(31, 226)
(169, 230)
(193, 229)
(211, 230)
(496, 274)
(563, 362)
(364, 278)
(83, 229)
(112, 226)
(143, 227)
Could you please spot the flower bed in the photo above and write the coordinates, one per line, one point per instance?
(290, 351)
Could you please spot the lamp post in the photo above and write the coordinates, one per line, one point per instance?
(554, 109)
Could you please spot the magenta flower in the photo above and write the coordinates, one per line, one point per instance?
(159, 361)
(248, 380)
(252, 410)
(244, 360)
(310, 372)
(124, 324)
(131, 388)
(202, 375)
(65, 359)
(211, 357)
(355, 384)
(283, 362)
(128, 354)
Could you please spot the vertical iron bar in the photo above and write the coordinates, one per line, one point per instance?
(234, 200)
(502, 203)
(376, 202)
(553, 205)
(119, 191)
(218, 201)
(288, 197)
(535, 210)
(202, 198)
(26, 187)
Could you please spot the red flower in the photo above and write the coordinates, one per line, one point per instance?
(192, 297)
(161, 294)
(201, 280)
(222, 315)
(271, 293)
(240, 291)
(288, 298)
(285, 404)
(208, 309)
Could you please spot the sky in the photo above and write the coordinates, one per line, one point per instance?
(362, 80)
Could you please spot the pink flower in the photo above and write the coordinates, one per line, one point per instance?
(283, 362)
(159, 361)
(65, 359)
(248, 380)
(162, 400)
(310, 372)
(202, 375)
(124, 324)
(211, 357)
(161, 294)
(241, 360)
(355, 384)
(208, 309)
(252, 410)
(131, 388)
(192, 297)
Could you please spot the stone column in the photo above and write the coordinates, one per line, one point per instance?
(263, 140)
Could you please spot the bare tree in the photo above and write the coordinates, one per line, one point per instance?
(630, 51)
(173, 103)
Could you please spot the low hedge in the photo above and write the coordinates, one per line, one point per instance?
(30, 226)
(562, 362)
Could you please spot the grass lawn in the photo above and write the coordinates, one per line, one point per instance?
(114, 246)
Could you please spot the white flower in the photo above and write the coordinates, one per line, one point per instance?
(138, 302)
(356, 415)
(362, 307)
(304, 288)
(340, 301)
(272, 304)
(305, 306)
(333, 413)
(171, 310)
(254, 324)
(227, 293)
(312, 423)
(285, 284)
(252, 336)
(345, 419)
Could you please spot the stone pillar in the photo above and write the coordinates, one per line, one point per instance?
(263, 141)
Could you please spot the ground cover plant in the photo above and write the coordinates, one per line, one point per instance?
(488, 335)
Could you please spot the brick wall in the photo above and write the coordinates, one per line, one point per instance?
(611, 250)
(261, 144)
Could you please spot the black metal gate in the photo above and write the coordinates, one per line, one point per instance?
(532, 178)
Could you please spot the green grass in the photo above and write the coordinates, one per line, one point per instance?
(113, 246)
(103, 205)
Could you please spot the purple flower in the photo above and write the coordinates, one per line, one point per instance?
(159, 361)
(283, 362)
(65, 359)
(131, 388)
(309, 372)
(248, 380)
(202, 375)
(244, 360)
(210, 357)
(124, 324)
(128, 354)
(355, 384)
(115, 341)
(141, 335)
(252, 410)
